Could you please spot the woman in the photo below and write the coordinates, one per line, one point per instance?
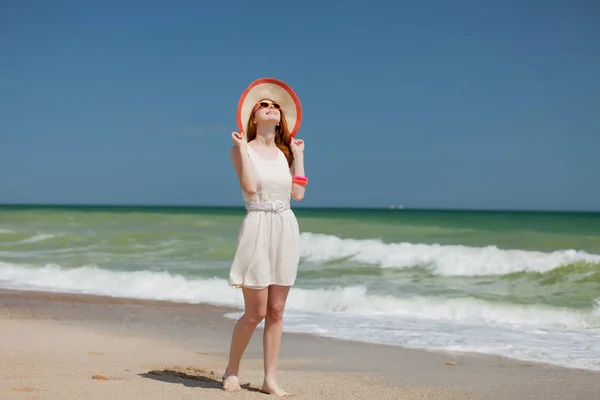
(269, 164)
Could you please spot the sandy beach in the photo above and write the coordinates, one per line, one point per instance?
(64, 346)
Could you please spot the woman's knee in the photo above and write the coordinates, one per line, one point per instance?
(275, 312)
(255, 316)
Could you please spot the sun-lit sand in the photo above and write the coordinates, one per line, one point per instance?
(58, 346)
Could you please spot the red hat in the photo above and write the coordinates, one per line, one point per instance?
(276, 91)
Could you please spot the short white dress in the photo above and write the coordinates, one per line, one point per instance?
(268, 243)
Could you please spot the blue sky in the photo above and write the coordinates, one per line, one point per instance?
(439, 104)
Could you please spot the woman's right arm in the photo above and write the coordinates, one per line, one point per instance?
(243, 169)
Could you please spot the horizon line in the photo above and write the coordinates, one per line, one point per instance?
(379, 208)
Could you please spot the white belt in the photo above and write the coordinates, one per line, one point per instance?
(276, 206)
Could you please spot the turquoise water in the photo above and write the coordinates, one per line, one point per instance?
(521, 284)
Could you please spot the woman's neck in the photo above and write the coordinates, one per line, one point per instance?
(265, 135)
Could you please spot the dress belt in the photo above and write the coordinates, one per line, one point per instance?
(275, 206)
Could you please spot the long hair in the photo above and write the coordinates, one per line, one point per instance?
(282, 137)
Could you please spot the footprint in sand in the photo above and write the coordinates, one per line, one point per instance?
(93, 353)
(22, 389)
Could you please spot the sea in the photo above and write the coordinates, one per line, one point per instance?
(524, 285)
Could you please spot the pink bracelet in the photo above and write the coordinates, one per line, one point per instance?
(301, 180)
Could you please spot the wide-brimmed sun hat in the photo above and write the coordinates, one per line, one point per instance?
(276, 91)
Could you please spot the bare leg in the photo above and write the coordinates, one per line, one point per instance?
(255, 303)
(272, 337)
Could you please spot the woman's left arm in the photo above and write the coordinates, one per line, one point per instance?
(298, 188)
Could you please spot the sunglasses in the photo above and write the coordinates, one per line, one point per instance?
(266, 104)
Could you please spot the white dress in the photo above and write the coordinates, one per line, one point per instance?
(268, 241)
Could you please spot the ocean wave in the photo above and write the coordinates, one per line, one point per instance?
(445, 260)
(40, 237)
(354, 300)
(577, 272)
(37, 238)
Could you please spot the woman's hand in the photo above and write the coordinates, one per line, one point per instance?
(239, 139)
(297, 146)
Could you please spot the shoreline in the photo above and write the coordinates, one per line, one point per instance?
(189, 344)
(217, 313)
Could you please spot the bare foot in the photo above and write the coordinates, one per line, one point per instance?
(273, 388)
(231, 383)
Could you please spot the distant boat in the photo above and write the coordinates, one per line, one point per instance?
(396, 207)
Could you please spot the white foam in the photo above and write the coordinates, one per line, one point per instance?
(90, 279)
(572, 348)
(446, 260)
(356, 301)
(353, 300)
